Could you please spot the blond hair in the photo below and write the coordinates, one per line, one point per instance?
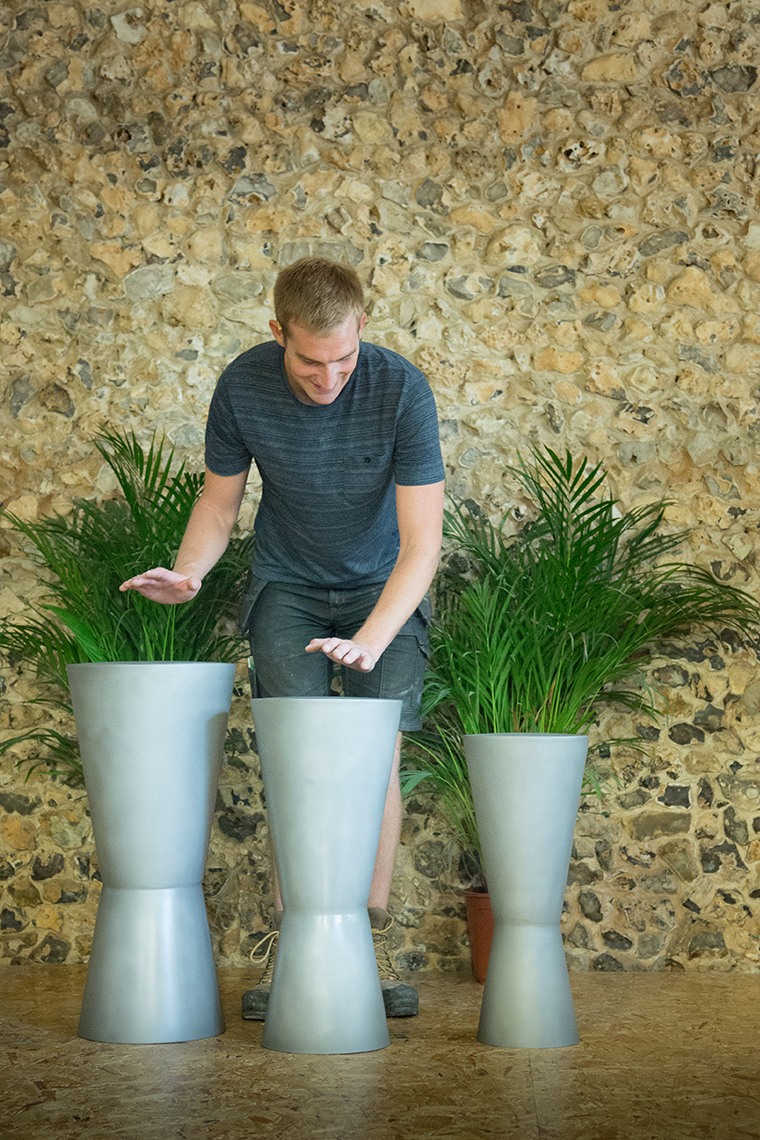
(317, 295)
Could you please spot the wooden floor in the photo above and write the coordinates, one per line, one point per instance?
(661, 1056)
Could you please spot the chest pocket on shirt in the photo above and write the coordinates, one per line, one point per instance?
(367, 473)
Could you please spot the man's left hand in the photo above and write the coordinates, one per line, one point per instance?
(348, 653)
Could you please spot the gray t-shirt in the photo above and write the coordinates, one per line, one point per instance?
(327, 515)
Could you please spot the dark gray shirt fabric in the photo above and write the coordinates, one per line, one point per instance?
(327, 515)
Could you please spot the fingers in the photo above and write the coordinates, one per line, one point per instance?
(165, 586)
(344, 652)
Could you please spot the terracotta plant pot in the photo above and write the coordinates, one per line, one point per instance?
(480, 927)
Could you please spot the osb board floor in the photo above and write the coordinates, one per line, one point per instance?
(665, 1056)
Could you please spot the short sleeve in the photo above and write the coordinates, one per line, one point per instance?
(417, 455)
(226, 452)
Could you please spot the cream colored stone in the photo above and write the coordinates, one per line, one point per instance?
(647, 299)
(589, 11)
(191, 307)
(557, 360)
(604, 378)
(370, 127)
(119, 258)
(692, 288)
(61, 15)
(471, 216)
(710, 332)
(19, 832)
(435, 9)
(567, 392)
(613, 68)
(515, 118)
(258, 16)
(196, 16)
(206, 245)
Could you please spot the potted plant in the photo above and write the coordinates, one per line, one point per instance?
(536, 630)
(151, 688)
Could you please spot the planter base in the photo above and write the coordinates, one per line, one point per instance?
(151, 975)
(326, 763)
(527, 1003)
(327, 998)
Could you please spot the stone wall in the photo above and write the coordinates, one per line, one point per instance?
(555, 207)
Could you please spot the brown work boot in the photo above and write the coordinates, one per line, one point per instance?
(255, 1001)
(400, 1000)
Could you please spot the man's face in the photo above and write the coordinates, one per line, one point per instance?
(319, 367)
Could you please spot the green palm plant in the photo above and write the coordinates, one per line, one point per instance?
(84, 556)
(548, 624)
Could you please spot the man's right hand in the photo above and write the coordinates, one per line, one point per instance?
(164, 586)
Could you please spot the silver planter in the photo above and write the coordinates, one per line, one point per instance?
(526, 789)
(151, 736)
(326, 763)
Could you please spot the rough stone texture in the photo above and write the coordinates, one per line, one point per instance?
(556, 208)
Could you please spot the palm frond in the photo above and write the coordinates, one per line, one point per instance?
(85, 555)
(550, 622)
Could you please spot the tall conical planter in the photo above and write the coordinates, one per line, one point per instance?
(151, 736)
(526, 789)
(326, 763)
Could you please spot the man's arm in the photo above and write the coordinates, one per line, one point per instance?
(204, 542)
(420, 520)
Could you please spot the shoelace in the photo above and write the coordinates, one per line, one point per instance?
(385, 967)
(266, 951)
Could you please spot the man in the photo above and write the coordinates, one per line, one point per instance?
(348, 530)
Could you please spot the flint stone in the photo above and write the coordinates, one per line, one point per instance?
(237, 287)
(681, 860)
(710, 718)
(685, 734)
(676, 795)
(7, 254)
(736, 78)
(345, 252)
(707, 942)
(674, 676)
(735, 829)
(555, 276)
(148, 282)
(582, 874)
(431, 858)
(21, 390)
(601, 320)
(432, 251)
(658, 242)
(252, 186)
(22, 805)
(590, 906)
(51, 950)
(239, 825)
(706, 360)
(429, 194)
(650, 824)
(9, 920)
(578, 936)
(616, 941)
(711, 857)
(607, 964)
(650, 944)
(46, 870)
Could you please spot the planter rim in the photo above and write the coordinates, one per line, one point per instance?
(153, 664)
(538, 735)
(354, 700)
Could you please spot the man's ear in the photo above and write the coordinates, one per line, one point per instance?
(277, 332)
(362, 323)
